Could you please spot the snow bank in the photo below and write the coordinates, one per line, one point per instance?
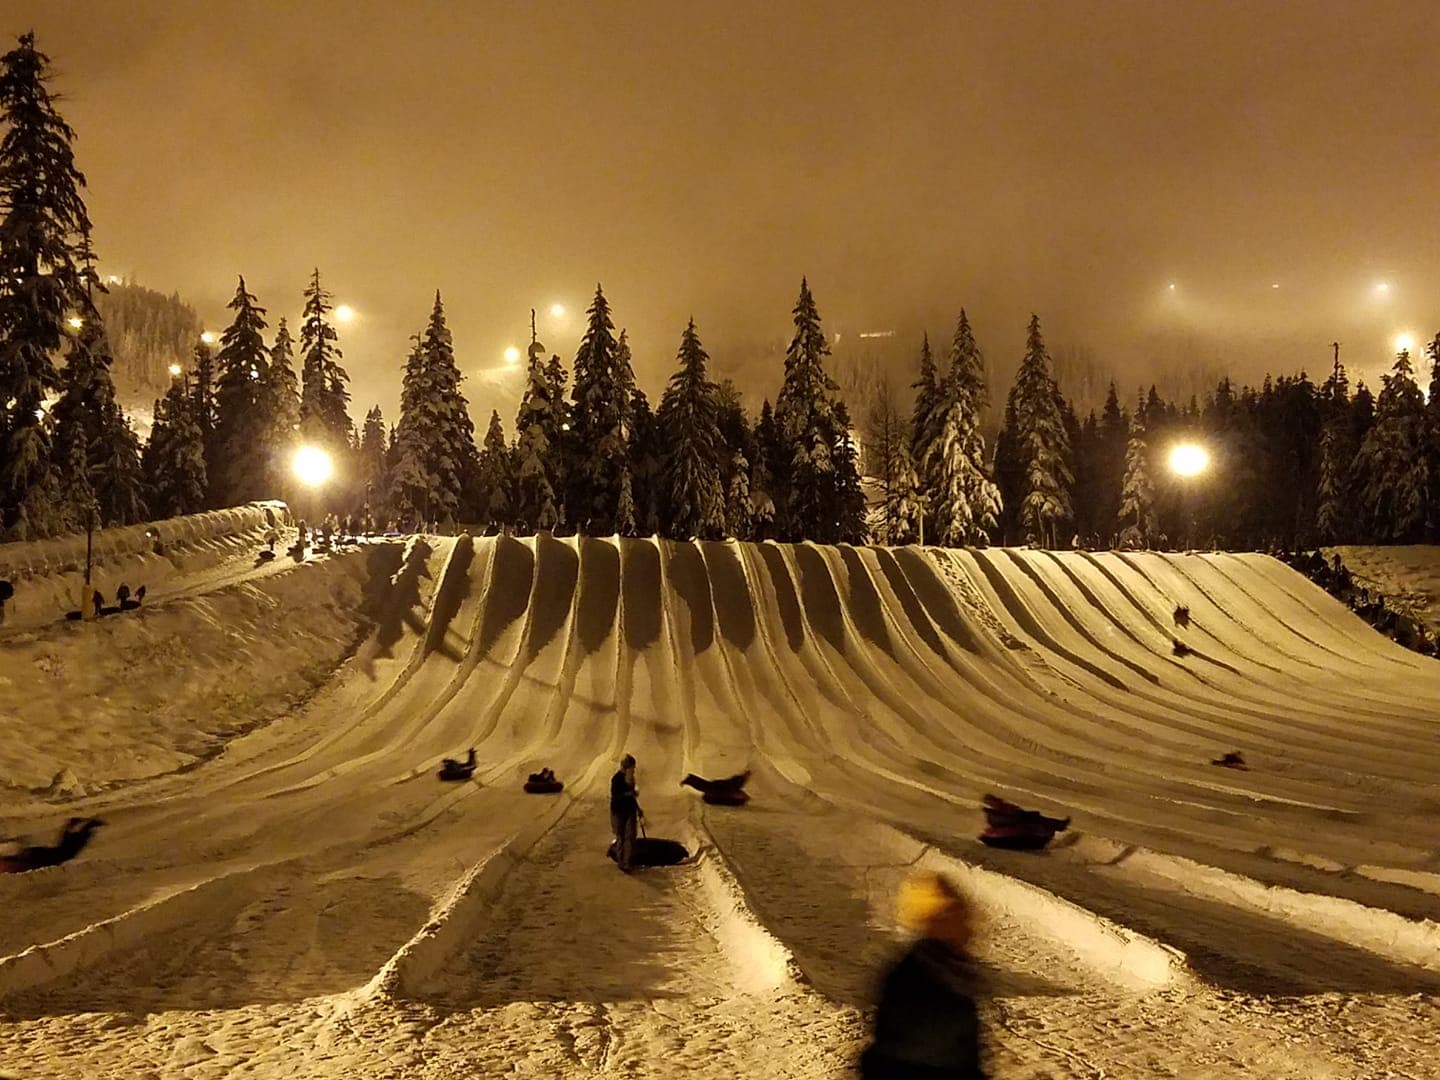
(1114, 952)
(1385, 933)
(49, 575)
(160, 689)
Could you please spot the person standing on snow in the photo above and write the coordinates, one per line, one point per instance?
(624, 812)
(926, 1025)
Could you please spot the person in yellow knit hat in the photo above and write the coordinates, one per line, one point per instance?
(926, 1024)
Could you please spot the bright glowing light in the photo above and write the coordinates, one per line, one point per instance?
(312, 466)
(75, 321)
(208, 337)
(1172, 286)
(1275, 285)
(175, 370)
(1382, 287)
(1404, 343)
(557, 311)
(1188, 459)
(344, 313)
(113, 279)
(512, 355)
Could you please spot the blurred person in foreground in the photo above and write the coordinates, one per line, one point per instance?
(926, 1025)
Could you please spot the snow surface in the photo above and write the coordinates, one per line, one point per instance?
(284, 888)
(1407, 575)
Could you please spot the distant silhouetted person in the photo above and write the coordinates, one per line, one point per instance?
(6, 592)
(122, 594)
(926, 1023)
(1182, 616)
(1231, 760)
(624, 812)
(1179, 648)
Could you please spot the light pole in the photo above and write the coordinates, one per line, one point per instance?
(1189, 461)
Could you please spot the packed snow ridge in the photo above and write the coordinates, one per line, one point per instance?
(313, 900)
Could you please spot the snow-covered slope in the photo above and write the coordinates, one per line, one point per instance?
(315, 901)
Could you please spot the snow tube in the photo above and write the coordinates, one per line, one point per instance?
(544, 787)
(1016, 839)
(654, 851)
(725, 798)
(455, 772)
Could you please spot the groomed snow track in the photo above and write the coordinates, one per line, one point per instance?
(315, 899)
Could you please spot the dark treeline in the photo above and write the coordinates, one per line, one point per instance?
(1292, 463)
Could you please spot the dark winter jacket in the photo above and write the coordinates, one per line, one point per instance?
(622, 796)
(926, 1026)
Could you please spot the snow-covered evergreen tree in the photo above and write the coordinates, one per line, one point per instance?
(242, 469)
(598, 462)
(91, 428)
(1112, 441)
(374, 462)
(647, 452)
(927, 416)
(496, 477)
(1137, 500)
(454, 448)
(689, 419)
(818, 477)
(1041, 443)
(45, 274)
(283, 393)
(964, 503)
(435, 436)
(324, 399)
(174, 459)
(538, 447)
(1392, 468)
(764, 489)
(411, 481)
(897, 516)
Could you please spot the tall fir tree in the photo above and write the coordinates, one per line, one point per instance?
(689, 419)
(435, 435)
(964, 503)
(243, 467)
(538, 445)
(283, 404)
(647, 460)
(374, 464)
(926, 418)
(1112, 442)
(819, 477)
(411, 482)
(897, 517)
(324, 398)
(1041, 444)
(496, 478)
(1137, 500)
(173, 461)
(1392, 470)
(597, 463)
(91, 428)
(764, 487)
(45, 273)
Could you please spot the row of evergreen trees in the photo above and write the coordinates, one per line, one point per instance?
(603, 460)
(1294, 463)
